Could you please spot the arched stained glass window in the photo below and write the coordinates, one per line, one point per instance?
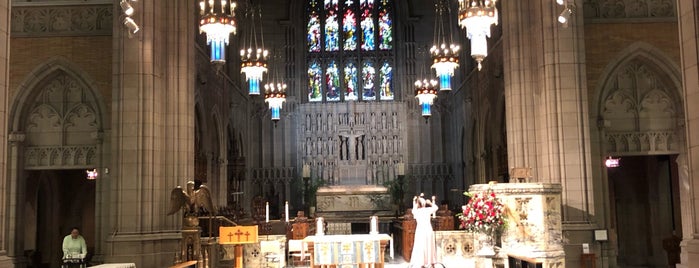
(385, 81)
(350, 50)
(314, 82)
(332, 81)
(350, 81)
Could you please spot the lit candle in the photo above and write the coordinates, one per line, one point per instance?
(286, 210)
(266, 211)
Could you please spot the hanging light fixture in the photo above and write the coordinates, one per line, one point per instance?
(254, 58)
(275, 96)
(445, 53)
(425, 93)
(477, 16)
(218, 22)
(275, 91)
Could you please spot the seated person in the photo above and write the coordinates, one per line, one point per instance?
(74, 246)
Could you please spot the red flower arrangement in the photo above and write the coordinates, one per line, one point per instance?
(484, 213)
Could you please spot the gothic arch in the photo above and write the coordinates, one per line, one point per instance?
(57, 98)
(639, 103)
(28, 89)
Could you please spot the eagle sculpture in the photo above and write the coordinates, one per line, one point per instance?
(191, 201)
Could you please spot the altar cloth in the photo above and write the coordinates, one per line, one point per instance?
(115, 265)
(348, 251)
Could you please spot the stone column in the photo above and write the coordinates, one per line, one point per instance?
(688, 21)
(546, 100)
(153, 126)
(5, 189)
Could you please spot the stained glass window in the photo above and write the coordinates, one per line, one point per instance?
(349, 27)
(313, 37)
(332, 82)
(368, 77)
(350, 81)
(385, 28)
(385, 78)
(332, 27)
(350, 50)
(314, 82)
(367, 24)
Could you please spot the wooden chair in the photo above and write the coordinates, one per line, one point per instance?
(298, 253)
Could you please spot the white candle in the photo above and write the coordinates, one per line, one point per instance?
(434, 203)
(267, 212)
(319, 226)
(286, 210)
(374, 223)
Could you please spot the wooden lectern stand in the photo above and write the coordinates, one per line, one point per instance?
(238, 235)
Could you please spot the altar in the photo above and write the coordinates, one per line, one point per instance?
(352, 203)
(348, 251)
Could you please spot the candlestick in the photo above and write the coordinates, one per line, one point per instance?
(266, 211)
(286, 210)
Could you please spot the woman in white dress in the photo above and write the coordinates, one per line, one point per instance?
(424, 249)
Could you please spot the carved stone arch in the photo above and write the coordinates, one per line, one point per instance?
(28, 90)
(650, 56)
(639, 100)
(61, 114)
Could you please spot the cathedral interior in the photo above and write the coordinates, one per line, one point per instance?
(141, 93)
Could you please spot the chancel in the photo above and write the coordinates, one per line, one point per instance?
(524, 104)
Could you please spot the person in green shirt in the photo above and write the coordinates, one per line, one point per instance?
(74, 246)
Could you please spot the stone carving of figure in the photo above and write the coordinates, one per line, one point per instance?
(307, 145)
(396, 141)
(390, 146)
(394, 118)
(318, 121)
(343, 152)
(373, 121)
(352, 143)
(319, 149)
(331, 141)
(308, 122)
(383, 144)
(383, 120)
(379, 147)
(325, 146)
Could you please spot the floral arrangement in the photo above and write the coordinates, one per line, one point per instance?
(484, 213)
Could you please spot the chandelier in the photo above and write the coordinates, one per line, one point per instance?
(425, 93)
(275, 96)
(254, 58)
(218, 22)
(275, 91)
(477, 16)
(445, 53)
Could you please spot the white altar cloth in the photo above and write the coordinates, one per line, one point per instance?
(115, 265)
(347, 250)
